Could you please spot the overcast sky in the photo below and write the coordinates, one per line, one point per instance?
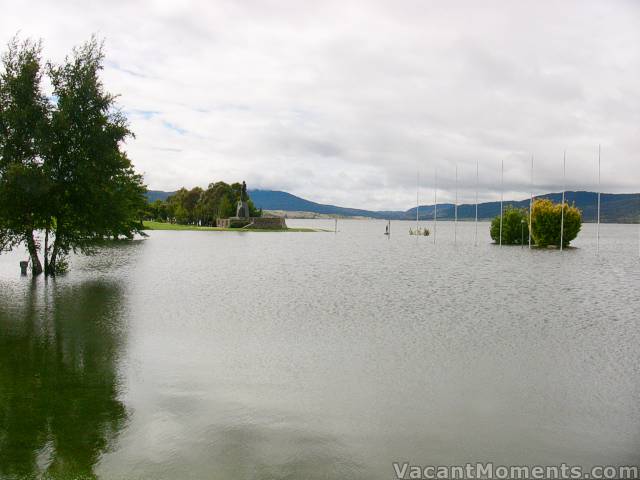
(343, 102)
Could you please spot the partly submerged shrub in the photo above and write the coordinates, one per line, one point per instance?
(546, 219)
(515, 226)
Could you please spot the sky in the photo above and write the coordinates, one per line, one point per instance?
(348, 102)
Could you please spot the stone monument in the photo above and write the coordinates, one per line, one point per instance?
(242, 209)
(243, 218)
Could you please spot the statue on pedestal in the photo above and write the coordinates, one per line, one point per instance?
(242, 209)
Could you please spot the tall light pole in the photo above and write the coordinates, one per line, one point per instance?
(599, 192)
(475, 241)
(455, 209)
(501, 197)
(531, 204)
(417, 200)
(435, 207)
(564, 187)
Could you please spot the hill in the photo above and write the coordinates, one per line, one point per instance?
(277, 200)
(615, 207)
(153, 195)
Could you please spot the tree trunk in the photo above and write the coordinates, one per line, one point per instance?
(36, 266)
(46, 251)
(51, 268)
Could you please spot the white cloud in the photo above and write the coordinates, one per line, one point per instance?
(342, 102)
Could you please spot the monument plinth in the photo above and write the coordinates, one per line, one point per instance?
(242, 210)
(244, 219)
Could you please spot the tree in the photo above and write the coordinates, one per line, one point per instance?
(546, 219)
(97, 193)
(515, 226)
(24, 111)
(157, 211)
(62, 167)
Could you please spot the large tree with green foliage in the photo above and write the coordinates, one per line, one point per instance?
(97, 192)
(515, 226)
(63, 171)
(546, 221)
(24, 134)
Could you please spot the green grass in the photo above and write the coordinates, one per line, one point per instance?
(194, 228)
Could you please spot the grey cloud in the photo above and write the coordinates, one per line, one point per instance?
(343, 102)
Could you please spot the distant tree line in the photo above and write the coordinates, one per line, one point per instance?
(546, 224)
(65, 181)
(200, 207)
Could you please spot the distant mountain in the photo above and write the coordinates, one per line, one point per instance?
(153, 195)
(277, 200)
(615, 207)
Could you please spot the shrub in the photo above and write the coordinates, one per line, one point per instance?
(546, 218)
(515, 226)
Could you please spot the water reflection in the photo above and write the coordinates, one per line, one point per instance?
(59, 388)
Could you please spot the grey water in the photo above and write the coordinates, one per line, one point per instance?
(319, 355)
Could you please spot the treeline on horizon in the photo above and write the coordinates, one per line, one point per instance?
(200, 207)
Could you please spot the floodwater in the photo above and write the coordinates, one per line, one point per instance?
(221, 355)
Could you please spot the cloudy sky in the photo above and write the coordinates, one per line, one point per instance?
(343, 102)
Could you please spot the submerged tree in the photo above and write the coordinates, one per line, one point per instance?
(62, 167)
(515, 226)
(24, 128)
(546, 221)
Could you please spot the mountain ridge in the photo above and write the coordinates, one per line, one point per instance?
(615, 207)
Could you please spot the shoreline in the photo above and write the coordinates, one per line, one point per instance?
(157, 226)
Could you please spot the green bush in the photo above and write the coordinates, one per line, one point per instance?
(515, 226)
(546, 219)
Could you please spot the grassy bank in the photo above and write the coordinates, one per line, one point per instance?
(194, 228)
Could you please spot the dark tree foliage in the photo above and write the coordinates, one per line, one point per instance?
(24, 114)
(200, 207)
(63, 171)
(546, 223)
(515, 226)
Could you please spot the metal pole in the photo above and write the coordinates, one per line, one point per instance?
(501, 197)
(417, 200)
(435, 207)
(335, 226)
(599, 191)
(455, 208)
(531, 203)
(475, 241)
(564, 186)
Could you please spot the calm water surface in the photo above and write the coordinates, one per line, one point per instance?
(315, 355)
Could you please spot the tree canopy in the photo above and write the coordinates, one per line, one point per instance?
(546, 220)
(515, 226)
(64, 174)
(200, 207)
